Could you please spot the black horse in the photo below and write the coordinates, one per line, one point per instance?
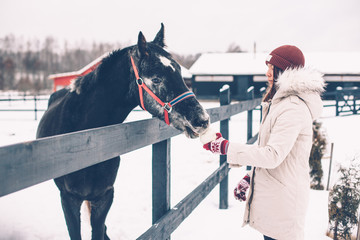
(144, 74)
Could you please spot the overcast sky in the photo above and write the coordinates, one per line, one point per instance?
(191, 26)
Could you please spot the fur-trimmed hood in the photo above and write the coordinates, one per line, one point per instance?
(306, 83)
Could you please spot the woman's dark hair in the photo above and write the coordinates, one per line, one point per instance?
(277, 73)
(270, 91)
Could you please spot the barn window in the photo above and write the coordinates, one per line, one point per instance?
(214, 78)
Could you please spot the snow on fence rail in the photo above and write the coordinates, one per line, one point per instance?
(25, 164)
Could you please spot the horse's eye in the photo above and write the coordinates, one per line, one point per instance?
(156, 80)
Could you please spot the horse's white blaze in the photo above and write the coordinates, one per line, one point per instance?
(166, 62)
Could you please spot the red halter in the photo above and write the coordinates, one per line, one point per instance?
(167, 106)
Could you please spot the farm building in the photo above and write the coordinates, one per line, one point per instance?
(61, 80)
(243, 70)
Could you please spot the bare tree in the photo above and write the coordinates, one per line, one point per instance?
(8, 73)
(234, 48)
(186, 60)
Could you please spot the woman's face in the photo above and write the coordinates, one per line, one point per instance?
(270, 74)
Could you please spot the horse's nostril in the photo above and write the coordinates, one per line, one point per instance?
(202, 123)
(206, 123)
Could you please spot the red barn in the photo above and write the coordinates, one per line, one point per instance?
(62, 80)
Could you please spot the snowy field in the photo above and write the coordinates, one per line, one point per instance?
(35, 213)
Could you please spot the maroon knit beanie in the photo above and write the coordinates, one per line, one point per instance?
(286, 56)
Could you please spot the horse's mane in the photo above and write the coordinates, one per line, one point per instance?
(102, 73)
(111, 67)
(112, 59)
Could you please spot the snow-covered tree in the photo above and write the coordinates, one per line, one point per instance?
(344, 200)
(317, 152)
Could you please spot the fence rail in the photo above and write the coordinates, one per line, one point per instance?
(347, 100)
(34, 98)
(25, 164)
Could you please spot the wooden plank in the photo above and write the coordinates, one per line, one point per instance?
(26, 164)
(249, 124)
(358, 230)
(253, 139)
(330, 163)
(224, 129)
(160, 179)
(168, 223)
(224, 112)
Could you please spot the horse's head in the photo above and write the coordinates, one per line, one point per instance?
(161, 74)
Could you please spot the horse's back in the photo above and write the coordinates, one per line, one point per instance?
(57, 95)
(53, 119)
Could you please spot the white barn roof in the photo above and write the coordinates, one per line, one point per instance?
(338, 63)
(185, 72)
(334, 62)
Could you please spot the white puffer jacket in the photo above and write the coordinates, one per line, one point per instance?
(280, 183)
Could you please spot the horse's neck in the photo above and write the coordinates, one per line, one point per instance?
(122, 108)
(111, 97)
(115, 104)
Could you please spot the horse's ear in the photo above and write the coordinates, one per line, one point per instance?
(160, 39)
(142, 45)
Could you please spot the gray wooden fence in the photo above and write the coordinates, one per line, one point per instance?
(26, 164)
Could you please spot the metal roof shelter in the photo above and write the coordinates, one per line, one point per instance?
(242, 70)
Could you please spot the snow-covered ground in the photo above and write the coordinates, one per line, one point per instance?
(35, 213)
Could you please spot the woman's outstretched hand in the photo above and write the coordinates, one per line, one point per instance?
(217, 146)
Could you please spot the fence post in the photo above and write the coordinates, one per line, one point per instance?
(35, 108)
(262, 92)
(357, 94)
(224, 129)
(250, 96)
(354, 90)
(337, 97)
(250, 93)
(9, 97)
(358, 230)
(160, 179)
(331, 156)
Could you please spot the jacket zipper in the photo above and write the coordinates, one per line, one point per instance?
(253, 175)
(252, 193)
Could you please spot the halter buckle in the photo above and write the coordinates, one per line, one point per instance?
(167, 107)
(139, 81)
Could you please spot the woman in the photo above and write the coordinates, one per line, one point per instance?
(280, 182)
